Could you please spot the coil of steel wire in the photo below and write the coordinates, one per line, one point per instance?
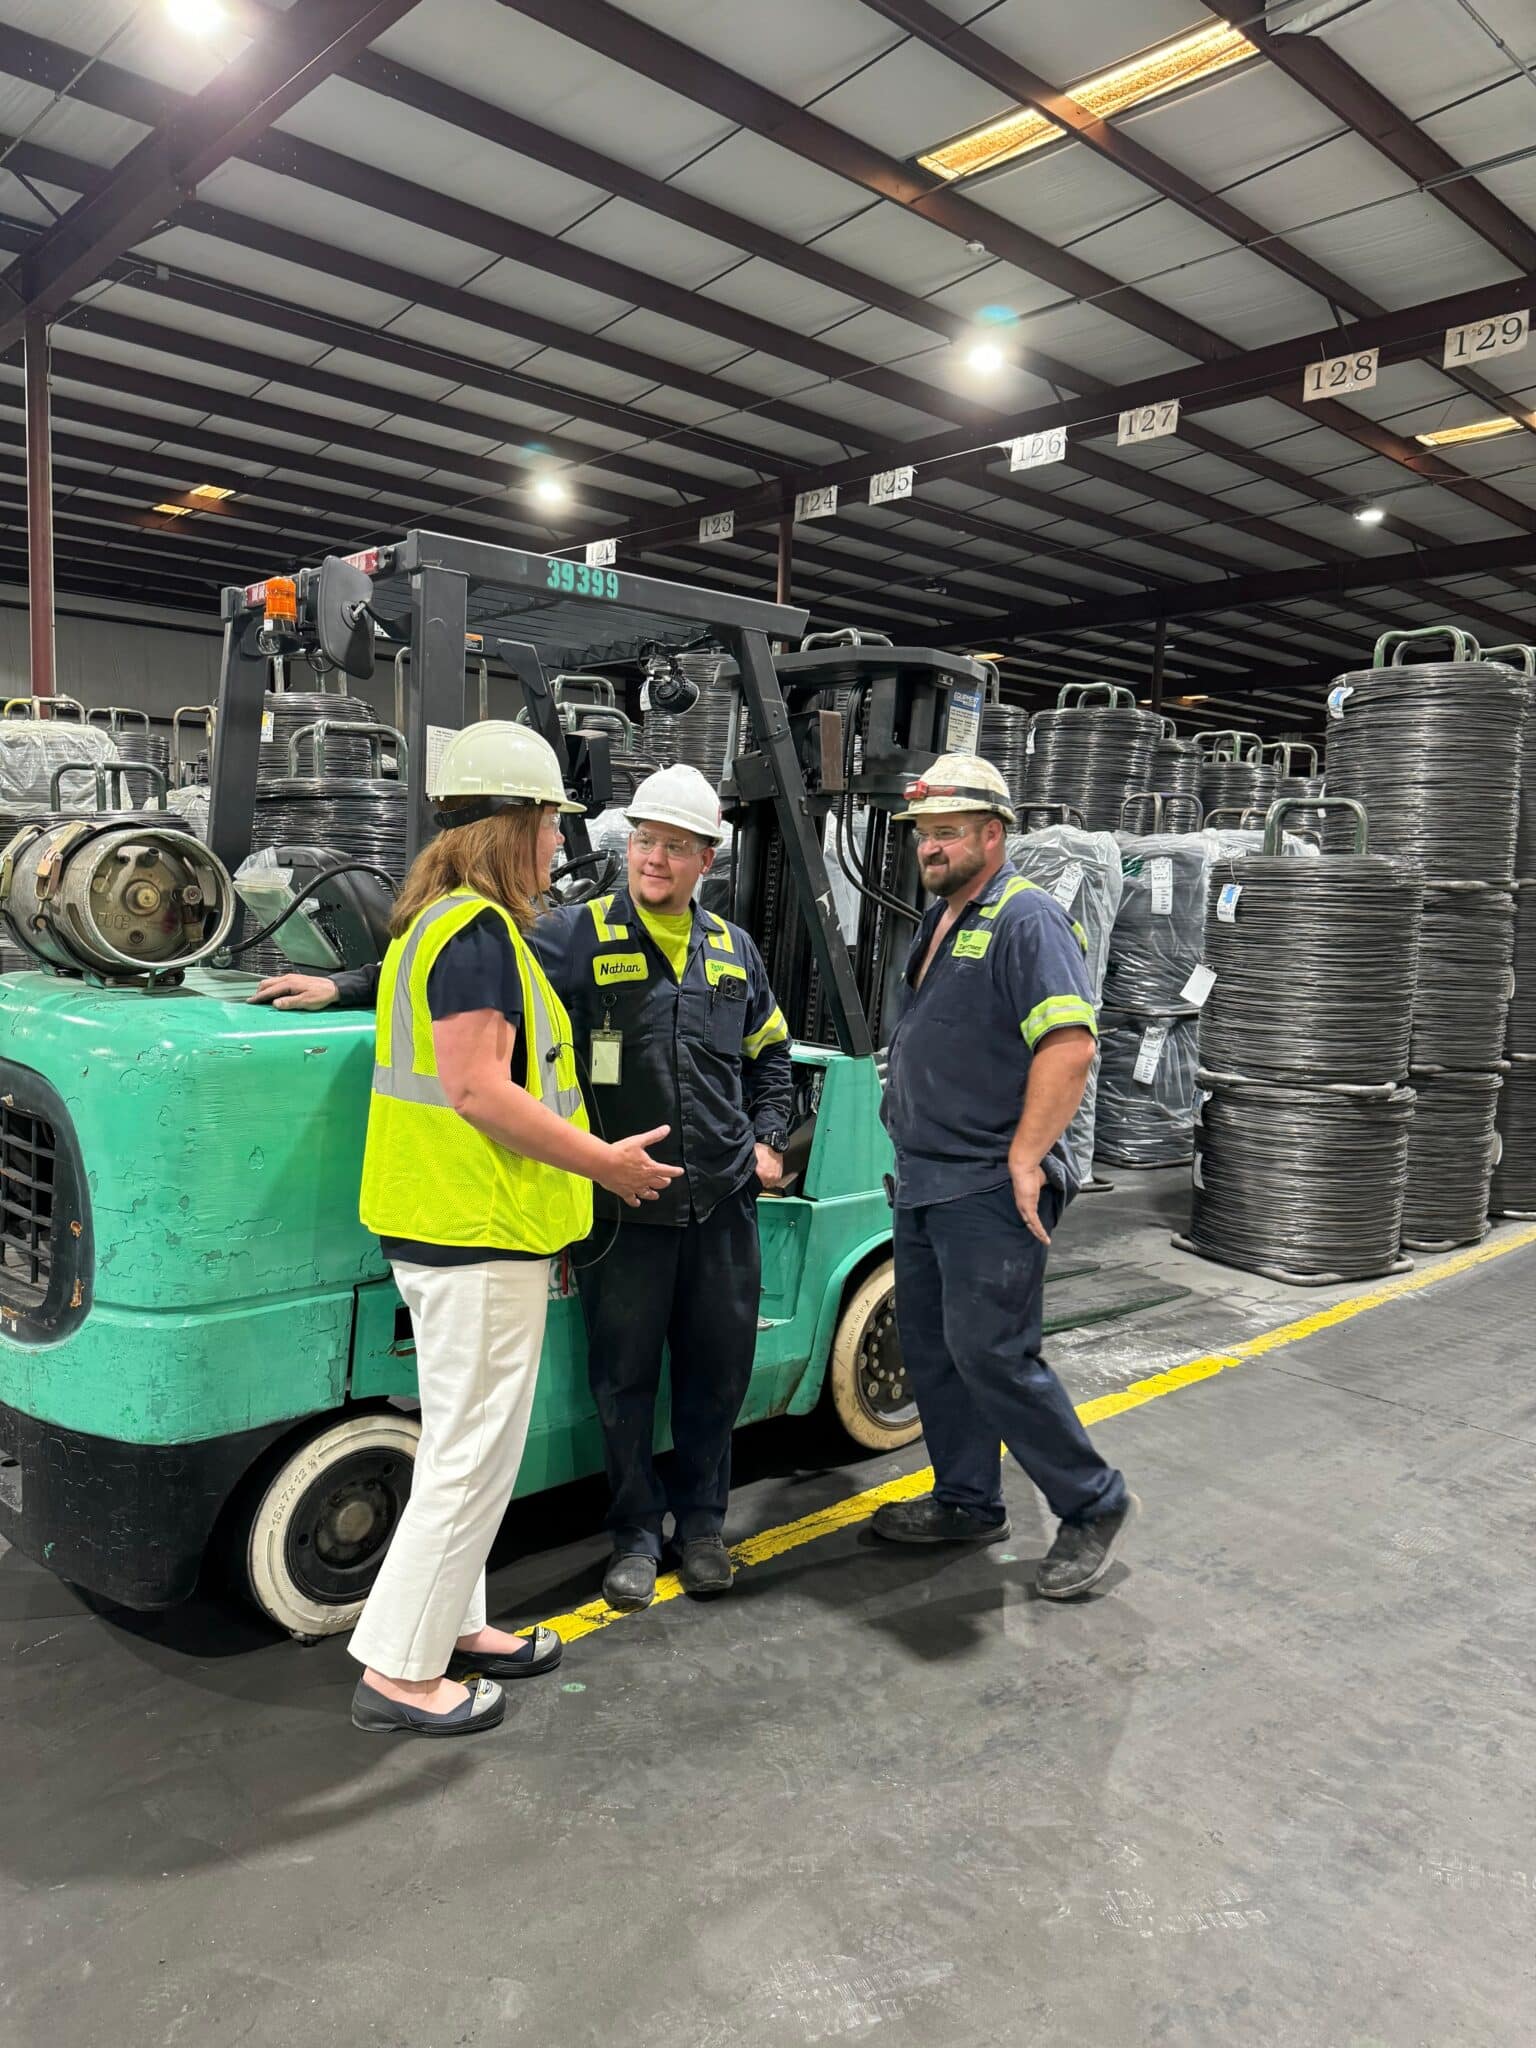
(1462, 986)
(143, 743)
(1432, 750)
(1159, 930)
(1175, 764)
(285, 712)
(1145, 816)
(1092, 752)
(1314, 963)
(1005, 742)
(700, 737)
(1513, 1191)
(1521, 657)
(1520, 1032)
(1303, 1184)
(1451, 1148)
(1234, 775)
(1146, 1102)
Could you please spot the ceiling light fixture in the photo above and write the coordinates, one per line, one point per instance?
(985, 358)
(1370, 515)
(1194, 700)
(1195, 56)
(548, 490)
(173, 511)
(1479, 430)
(196, 17)
(217, 493)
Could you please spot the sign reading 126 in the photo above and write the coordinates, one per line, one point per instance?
(582, 579)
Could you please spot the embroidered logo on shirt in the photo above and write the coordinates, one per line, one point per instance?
(972, 945)
(716, 971)
(618, 967)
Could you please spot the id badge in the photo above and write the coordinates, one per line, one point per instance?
(607, 1058)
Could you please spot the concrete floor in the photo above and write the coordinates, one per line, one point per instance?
(1273, 1789)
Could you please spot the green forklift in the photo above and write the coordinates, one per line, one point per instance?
(201, 1349)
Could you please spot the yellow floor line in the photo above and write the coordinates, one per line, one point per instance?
(858, 1507)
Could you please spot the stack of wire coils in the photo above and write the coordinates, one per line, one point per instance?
(1301, 1140)
(286, 712)
(1298, 773)
(1175, 764)
(1433, 750)
(1148, 1058)
(353, 817)
(1513, 1189)
(1005, 743)
(1092, 752)
(137, 741)
(1234, 775)
(700, 737)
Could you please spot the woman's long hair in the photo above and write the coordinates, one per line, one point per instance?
(496, 857)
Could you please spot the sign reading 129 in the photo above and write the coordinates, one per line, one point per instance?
(584, 581)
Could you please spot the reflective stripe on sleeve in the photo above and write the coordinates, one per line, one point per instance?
(1055, 1014)
(774, 1032)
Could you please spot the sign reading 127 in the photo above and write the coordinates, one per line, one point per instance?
(583, 580)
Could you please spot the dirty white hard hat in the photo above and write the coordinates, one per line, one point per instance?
(958, 782)
(678, 796)
(497, 758)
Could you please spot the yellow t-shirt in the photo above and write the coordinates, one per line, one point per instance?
(671, 934)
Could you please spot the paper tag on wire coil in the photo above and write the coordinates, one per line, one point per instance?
(1153, 1039)
(1198, 987)
(1068, 883)
(1226, 902)
(1338, 696)
(1161, 873)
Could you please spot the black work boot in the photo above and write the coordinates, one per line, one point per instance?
(705, 1565)
(630, 1580)
(1082, 1553)
(928, 1520)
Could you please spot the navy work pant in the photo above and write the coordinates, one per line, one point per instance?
(969, 1275)
(696, 1291)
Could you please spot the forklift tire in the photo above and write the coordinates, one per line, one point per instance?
(321, 1524)
(871, 1396)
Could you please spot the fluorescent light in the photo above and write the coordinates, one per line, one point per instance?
(1370, 515)
(993, 656)
(196, 17)
(986, 358)
(548, 490)
(173, 511)
(216, 492)
(1194, 700)
(1195, 56)
(1479, 430)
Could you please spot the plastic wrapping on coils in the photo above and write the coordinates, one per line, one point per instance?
(1078, 1138)
(1451, 1148)
(1303, 1184)
(1462, 988)
(1147, 1093)
(1513, 1192)
(1005, 742)
(1314, 968)
(285, 711)
(1159, 930)
(31, 749)
(1432, 750)
(1082, 871)
(1520, 1031)
(1237, 785)
(1092, 756)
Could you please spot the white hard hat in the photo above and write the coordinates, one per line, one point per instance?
(500, 758)
(958, 782)
(678, 796)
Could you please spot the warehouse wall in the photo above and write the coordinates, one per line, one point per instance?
(115, 660)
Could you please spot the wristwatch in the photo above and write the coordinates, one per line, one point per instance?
(776, 1141)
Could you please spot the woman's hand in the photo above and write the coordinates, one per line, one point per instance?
(296, 992)
(631, 1173)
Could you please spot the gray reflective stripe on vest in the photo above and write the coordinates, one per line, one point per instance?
(400, 1081)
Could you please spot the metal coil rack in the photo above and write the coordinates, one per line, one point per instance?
(1302, 1184)
(286, 712)
(1463, 981)
(1092, 752)
(1147, 1091)
(1234, 775)
(1154, 811)
(1432, 750)
(1314, 963)
(1513, 1191)
(1159, 929)
(700, 737)
(1005, 743)
(1298, 773)
(1520, 1033)
(1451, 1147)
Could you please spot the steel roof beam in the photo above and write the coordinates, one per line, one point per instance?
(301, 47)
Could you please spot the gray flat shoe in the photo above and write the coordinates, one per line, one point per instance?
(377, 1714)
(544, 1652)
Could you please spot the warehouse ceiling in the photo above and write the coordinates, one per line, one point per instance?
(552, 271)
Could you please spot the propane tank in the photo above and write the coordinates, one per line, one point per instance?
(116, 901)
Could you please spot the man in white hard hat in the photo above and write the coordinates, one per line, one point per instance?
(987, 1066)
(672, 1012)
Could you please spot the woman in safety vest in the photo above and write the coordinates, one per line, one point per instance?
(478, 1167)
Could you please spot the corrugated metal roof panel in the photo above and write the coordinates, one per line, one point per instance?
(799, 48)
(225, 262)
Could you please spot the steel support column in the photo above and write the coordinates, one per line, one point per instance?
(39, 509)
(1159, 651)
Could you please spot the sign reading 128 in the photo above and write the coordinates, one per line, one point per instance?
(583, 580)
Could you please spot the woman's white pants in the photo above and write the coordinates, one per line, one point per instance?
(479, 1330)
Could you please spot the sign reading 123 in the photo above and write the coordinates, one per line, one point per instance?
(584, 581)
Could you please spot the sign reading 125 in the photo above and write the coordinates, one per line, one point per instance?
(582, 580)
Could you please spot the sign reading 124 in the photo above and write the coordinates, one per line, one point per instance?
(582, 580)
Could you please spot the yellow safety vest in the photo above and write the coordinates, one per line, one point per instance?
(428, 1174)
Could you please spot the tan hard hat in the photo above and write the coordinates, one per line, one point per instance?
(958, 782)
